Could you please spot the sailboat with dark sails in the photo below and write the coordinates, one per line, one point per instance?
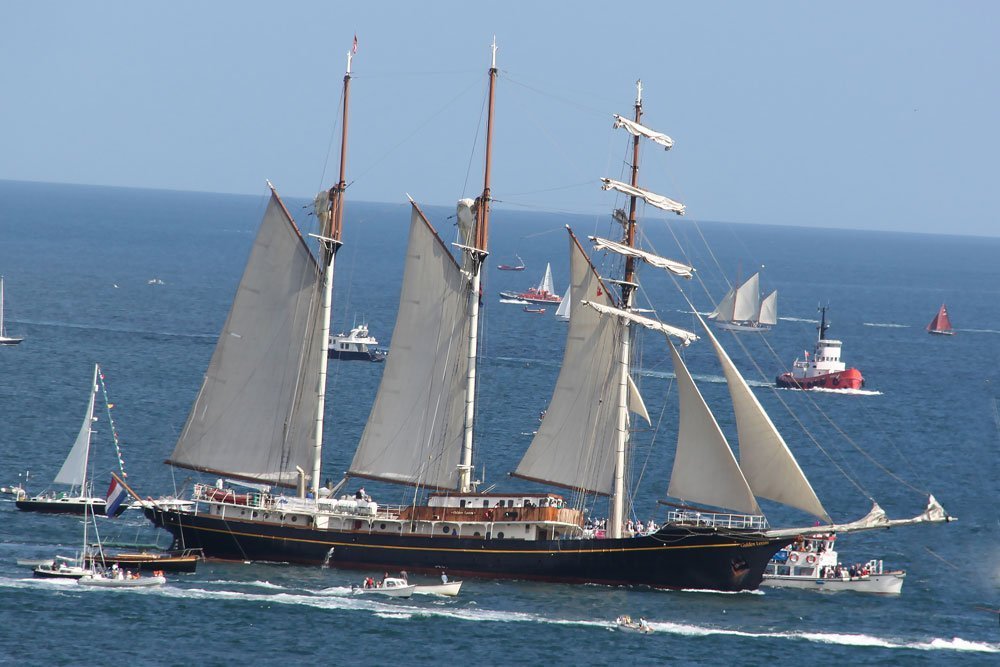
(421, 431)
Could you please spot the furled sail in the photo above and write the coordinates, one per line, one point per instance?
(705, 469)
(74, 470)
(685, 337)
(573, 447)
(767, 463)
(676, 268)
(651, 198)
(415, 430)
(254, 417)
(637, 130)
(769, 309)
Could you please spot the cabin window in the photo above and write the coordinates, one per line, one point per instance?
(486, 503)
(381, 526)
(500, 535)
(527, 528)
(294, 518)
(476, 534)
(461, 503)
(444, 529)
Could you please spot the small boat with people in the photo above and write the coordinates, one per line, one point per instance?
(447, 587)
(941, 324)
(824, 370)
(393, 587)
(62, 567)
(537, 311)
(358, 345)
(624, 623)
(811, 562)
(117, 577)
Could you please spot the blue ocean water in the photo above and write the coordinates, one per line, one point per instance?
(78, 261)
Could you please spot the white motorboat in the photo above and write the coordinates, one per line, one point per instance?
(450, 588)
(109, 580)
(358, 345)
(625, 623)
(812, 563)
(62, 567)
(390, 586)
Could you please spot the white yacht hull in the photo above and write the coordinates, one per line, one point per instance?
(887, 583)
(450, 589)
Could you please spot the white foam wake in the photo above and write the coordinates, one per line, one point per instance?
(886, 325)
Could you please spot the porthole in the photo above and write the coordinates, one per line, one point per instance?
(294, 519)
(444, 529)
(500, 535)
(381, 526)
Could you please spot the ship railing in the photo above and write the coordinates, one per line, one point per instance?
(717, 520)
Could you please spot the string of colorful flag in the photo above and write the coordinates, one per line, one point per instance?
(114, 429)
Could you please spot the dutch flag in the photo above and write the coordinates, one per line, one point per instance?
(114, 501)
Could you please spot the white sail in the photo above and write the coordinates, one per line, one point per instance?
(747, 301)
(547, 285)
(563, 311)
(637, 130)
(573, 447)
(724, 311)
(677, 268)
(685, 337)
(74, 470)
(254, 417)
(415, 431)
(705, 470)
(765, 459)
(635, 403)
(651, 198)
(769, 309)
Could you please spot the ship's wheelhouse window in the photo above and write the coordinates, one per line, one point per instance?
(461, 503)
(486, 503)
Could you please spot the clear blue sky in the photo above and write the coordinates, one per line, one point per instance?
(878, 115)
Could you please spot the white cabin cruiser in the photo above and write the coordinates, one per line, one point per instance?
(812, 563)
(358, 345)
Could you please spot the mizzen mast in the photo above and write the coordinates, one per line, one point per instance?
(331, 227)
(477, 255)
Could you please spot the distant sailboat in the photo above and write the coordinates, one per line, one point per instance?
(742, 309)
(562, 312)
(73, 473)
(941, 325)
(544, 293)
(4, 338)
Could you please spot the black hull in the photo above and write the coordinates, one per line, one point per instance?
(356, 356)
(73, 506)
(685, 557)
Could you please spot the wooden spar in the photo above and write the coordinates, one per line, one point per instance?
(633, 203)
(126, 486)
(476, 257)
(337, 191)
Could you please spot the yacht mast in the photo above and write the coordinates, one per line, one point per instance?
(617, 518)
(331, 242)
(477, 256)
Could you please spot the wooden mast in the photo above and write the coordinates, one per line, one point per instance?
(330, 239)
(617, 518)
(477, 256)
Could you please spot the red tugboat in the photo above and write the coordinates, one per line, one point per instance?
(824, 370)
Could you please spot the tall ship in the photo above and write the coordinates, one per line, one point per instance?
(743, 309)
(420, 432)
(824, 370)
(941, 324)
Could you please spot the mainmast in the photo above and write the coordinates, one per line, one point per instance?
(477, 254)
(330, 239)
(617, 518)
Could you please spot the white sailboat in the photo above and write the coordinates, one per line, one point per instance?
(743, 309)
(545, 292)
(562, 312)
(4, 338)
(421, 430)
(73, 473)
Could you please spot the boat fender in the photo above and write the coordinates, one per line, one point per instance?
(794, 558)
(810, 559)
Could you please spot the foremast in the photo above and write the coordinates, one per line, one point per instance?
(477, 255)
(331, 227)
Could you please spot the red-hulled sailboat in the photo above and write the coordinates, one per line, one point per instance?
(941, 325)
(824, 370)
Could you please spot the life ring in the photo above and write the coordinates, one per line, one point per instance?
(793, 558)
(810, 559)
